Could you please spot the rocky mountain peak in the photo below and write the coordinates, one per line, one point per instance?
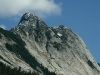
(29, 17)
(50, 50)
(29, 21)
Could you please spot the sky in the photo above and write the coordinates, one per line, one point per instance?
(81, 16)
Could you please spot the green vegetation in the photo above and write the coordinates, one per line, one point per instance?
(57, 45)
(91, 64)
(4, 59)
(25, 55)
(11, 36)
(48, 35)
(23, 32)
(19, 49)
(64, 37)
(0, 35)
(5, 70)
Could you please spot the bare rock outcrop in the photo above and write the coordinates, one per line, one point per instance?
(50, 50)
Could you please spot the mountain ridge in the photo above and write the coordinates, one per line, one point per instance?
(47, 50)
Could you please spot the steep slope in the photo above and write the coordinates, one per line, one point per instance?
(14, 54)
(8, 50)
(6, 70)
(47, 50)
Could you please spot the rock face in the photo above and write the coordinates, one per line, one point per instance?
(47, 50)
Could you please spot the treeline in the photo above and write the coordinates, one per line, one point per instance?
(5, 70)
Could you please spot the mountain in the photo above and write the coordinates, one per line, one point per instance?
(32, 46)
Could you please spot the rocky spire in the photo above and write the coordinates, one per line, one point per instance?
(29, 21)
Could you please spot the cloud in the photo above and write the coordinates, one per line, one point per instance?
(3, 26)
(38, 7)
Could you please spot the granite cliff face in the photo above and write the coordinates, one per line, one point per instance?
(46, 50)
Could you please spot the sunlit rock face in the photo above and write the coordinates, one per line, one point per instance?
(48, 50)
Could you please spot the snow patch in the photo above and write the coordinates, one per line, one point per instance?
(59, 34)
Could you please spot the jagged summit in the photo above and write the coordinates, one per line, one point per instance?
(29, 17)
(29, 21)
(31, 24)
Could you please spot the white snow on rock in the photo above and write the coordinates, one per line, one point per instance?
(59, 34)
